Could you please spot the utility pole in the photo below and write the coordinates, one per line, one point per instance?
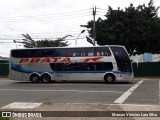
(94, 26)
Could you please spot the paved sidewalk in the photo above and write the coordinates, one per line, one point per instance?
(115, 108)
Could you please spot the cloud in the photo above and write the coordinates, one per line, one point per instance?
(46, 18)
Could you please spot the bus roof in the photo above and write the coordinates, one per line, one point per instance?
(69, 47)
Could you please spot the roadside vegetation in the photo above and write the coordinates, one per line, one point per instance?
(5, 118)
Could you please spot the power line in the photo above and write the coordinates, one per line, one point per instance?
(58, 34)
(51, 39)
(38, 37)
(65, 30)
(61, 13)
(72, 14)
(45, 17)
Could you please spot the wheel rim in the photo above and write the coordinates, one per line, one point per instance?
(45, 79)
(34, 78)
(109, 78)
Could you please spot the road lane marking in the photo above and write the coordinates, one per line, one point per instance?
(124, 96)
(21, 105)
(22, 90)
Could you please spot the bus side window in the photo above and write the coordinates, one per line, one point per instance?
(98, 52)
(87, 52)
(76, 52)
(84, 52)
(20, 54)
(58, 67)
(104, 66)
(35, 53)
(86, 66)
(103, 51)
(73, 52)
(69, 53)
(90, 53)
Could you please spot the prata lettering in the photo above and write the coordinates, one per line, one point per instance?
(58, 59)
(43, 60)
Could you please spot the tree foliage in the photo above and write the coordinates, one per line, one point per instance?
(135, 28)
(28, 42)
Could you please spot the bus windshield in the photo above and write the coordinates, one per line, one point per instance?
(122, 59)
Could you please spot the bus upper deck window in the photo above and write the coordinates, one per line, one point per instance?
(103, 51)
(87, 52)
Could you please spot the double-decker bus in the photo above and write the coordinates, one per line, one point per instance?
(109, 63)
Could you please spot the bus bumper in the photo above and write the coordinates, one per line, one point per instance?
(125, 77)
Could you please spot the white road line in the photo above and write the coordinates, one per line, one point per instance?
(22, 90)
(21, 105)
(124, 96)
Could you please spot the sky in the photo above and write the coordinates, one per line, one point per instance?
(52, 19)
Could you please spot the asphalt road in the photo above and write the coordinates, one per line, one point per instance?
(148, 92)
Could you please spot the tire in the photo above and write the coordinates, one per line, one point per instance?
(34, 78)
(109, 78)
(45, 78)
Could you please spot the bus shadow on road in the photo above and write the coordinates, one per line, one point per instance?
(90, 82)
(80, 82)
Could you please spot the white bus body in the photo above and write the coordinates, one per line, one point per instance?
(109, 63)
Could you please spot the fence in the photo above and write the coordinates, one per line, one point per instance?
(147, 69)
(4, 69)
(144, 69)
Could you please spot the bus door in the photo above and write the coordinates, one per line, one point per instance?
(58, 71)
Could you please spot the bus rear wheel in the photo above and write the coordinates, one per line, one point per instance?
(34, 78)
(45, 78)
(109, 78)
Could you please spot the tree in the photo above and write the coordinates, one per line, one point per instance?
(30, 43)
(135, 28)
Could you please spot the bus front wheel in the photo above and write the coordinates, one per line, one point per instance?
(45, 78)
(109, 78)
(34, 78)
